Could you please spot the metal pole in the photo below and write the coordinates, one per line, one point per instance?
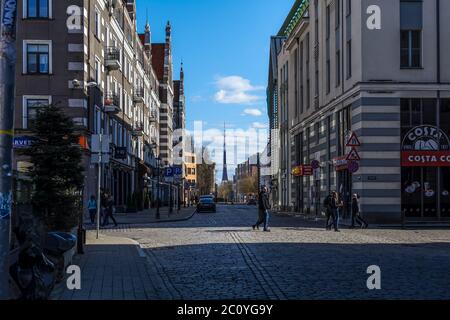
(7, 88)
(99, 183)
(258, 166)
(170, 198)
(157, 191)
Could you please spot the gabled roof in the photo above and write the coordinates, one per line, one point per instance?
(158, 51)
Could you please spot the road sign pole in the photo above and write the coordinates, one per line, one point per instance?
(8, 14)
(99, 184)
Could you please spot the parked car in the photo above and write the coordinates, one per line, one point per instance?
(206, 205)
(251, 202)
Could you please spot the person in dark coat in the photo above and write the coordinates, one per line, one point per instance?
(109, 204)
(263, 210)
(356, 213)
(328, 212)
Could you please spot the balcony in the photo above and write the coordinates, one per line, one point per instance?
(112, 58)
(138, 96)
(111, 103)
(138, 129)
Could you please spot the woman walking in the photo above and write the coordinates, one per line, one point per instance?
(92, 208)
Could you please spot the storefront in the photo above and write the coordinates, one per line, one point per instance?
(425, 159)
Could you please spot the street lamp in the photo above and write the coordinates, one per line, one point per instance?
(158, 164)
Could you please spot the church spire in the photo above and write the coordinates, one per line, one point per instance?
(225, 171)
(148, 38)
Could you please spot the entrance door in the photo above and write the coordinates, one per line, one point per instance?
(345, 191)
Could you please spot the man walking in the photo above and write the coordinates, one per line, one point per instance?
(109, 210)
(263, 210)
(356, 213)
(328, 212)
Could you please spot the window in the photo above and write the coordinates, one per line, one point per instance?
(301, 77)
(411, 48)
(37, 58)
(31, 105)
(328, 22)
(37, 9)
(328, 76)
(411, 21)
(308, 87)
(97, 71)
(338, 68)
(97, 23)
(349, 59)
(296, 81)
(337, 8)
(348, 7)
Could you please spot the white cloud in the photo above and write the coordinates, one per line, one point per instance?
(197, 98)
(236, 90)
(259, 125)
(252, 112)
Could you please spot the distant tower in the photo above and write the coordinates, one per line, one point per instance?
(225, 171)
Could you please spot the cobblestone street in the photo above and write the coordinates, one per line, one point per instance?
(218, 256)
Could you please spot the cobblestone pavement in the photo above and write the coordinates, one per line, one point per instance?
(219, 256)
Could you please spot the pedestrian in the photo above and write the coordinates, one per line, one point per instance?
(109, 208)
(92, 208)
(263, 210)
(334, 206)
(356, 213)
(328, 214)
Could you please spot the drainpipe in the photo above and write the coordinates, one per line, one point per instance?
(438, 107)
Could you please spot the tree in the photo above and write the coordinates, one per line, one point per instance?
(205, 174)
(225, 190)
(248, 185)
(56, 171)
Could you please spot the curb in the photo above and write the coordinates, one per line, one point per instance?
(166, 220)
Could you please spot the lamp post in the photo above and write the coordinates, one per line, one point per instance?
(158, 160)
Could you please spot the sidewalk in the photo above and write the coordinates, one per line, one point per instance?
(149, 216)
(112, 268)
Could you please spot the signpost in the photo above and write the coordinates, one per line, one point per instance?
(8, 10)
(100, 155)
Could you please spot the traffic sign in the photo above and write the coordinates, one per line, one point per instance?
(315, 164)
(353, 166)
(178, 171)
(353, 155)
(168, 172)
(353, 141)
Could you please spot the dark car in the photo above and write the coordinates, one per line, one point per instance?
(251, 202)
(206, 205)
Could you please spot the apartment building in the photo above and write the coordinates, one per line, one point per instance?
(89, 59)
(162, 62)
(364, 91)
(276, 43)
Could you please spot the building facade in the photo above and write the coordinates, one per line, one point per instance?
(96, 67)
(364, 90)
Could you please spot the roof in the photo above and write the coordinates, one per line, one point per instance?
(294, 17)
(158, 50)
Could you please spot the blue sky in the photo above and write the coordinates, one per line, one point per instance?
(225, 49)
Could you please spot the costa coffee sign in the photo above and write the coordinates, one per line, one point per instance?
(426, 146)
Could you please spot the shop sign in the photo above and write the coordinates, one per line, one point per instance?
(340, 163)
(426, 146)
(426, 158)
(23, 142)
(302, 170)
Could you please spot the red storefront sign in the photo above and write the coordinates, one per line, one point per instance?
(303, 170)
(426, 158)
(340, 163)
